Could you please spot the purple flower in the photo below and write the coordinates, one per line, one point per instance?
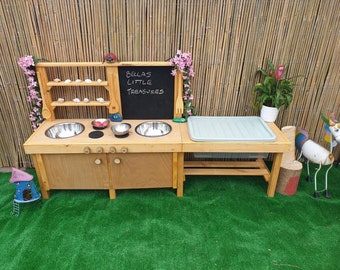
(27, 64)
(29, 72)
(182, 62)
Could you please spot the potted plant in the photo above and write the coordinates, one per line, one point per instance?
(275, 92)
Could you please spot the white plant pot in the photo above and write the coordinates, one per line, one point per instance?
(269, 114)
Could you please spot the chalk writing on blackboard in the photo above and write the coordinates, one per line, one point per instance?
(146, 92)
(141, 83)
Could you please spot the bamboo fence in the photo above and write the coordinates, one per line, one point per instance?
(228, 39)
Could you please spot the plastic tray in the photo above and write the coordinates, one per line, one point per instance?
(225, 129)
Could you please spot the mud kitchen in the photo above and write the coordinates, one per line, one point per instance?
(145, 148)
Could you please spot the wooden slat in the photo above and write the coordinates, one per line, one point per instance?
(229, 41)
(221, 164)
(230, 171)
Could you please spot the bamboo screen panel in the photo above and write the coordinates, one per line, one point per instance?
(228, 39)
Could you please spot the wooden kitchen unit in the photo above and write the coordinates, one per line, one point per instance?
(107, 163)
(135, 162)
(136, 90)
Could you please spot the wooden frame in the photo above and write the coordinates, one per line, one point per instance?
(177, 142)
(248, 168)
(111, 85)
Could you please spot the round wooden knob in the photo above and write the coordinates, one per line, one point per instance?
(123, 150)
(100, 149)
(87, 150)
(112, 150)
(117, 161)
(98, 161)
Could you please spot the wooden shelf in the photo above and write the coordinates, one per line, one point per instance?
(102, 64)
(83, 83)
(111, 84)
(81, 103)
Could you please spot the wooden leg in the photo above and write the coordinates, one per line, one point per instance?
(174, 170)
(42, 176)
(112, 194)
(274, 174)
(264, 167)
(112, 190)
(180, 174)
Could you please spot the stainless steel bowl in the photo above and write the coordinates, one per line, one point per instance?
(64, 130)
(121, 129)
(153, 129)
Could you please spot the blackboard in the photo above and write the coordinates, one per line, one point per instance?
(146, 92)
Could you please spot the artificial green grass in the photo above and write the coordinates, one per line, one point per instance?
(220, 223)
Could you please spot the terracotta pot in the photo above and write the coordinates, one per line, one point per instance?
(269, 114)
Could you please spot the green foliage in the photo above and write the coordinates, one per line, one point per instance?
(275, 91)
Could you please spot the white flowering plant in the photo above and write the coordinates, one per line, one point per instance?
(27, 64)
(182, 62)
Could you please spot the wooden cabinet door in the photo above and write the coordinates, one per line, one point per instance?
(77, 171)
(141, 170)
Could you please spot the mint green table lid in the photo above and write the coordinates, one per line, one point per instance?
(228, 128)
